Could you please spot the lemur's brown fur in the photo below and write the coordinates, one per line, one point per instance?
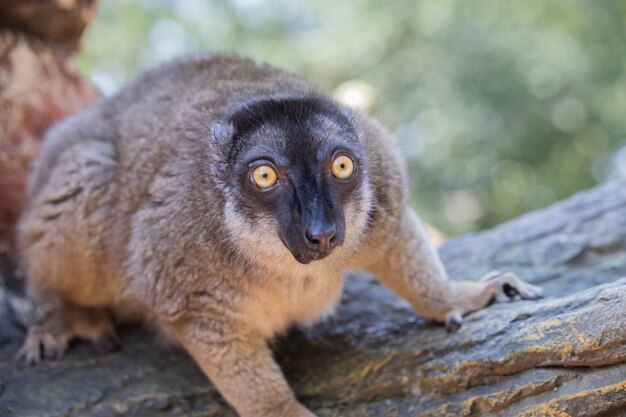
(128, 213)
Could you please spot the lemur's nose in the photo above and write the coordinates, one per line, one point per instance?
(322, 239)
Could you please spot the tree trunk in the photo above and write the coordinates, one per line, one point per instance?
(38, 86)
(561, 356)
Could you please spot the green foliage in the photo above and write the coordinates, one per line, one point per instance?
(501, 106)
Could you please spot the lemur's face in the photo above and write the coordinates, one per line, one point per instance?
(298, 172)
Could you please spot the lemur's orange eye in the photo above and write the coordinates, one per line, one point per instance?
(264, 176)
(343, 167)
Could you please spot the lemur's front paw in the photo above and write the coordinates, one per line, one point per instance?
(498, 286)
(507, 286)
(453, 321)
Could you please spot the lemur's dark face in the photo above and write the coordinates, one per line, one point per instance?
(298, 167)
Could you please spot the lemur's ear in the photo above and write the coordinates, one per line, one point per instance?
(222, 131)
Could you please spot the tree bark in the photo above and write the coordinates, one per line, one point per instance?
(564, 355)
(38, 86)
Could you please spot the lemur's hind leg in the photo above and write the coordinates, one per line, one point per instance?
(411, 267)
(51, 337)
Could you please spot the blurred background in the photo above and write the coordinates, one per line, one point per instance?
(502, 107)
